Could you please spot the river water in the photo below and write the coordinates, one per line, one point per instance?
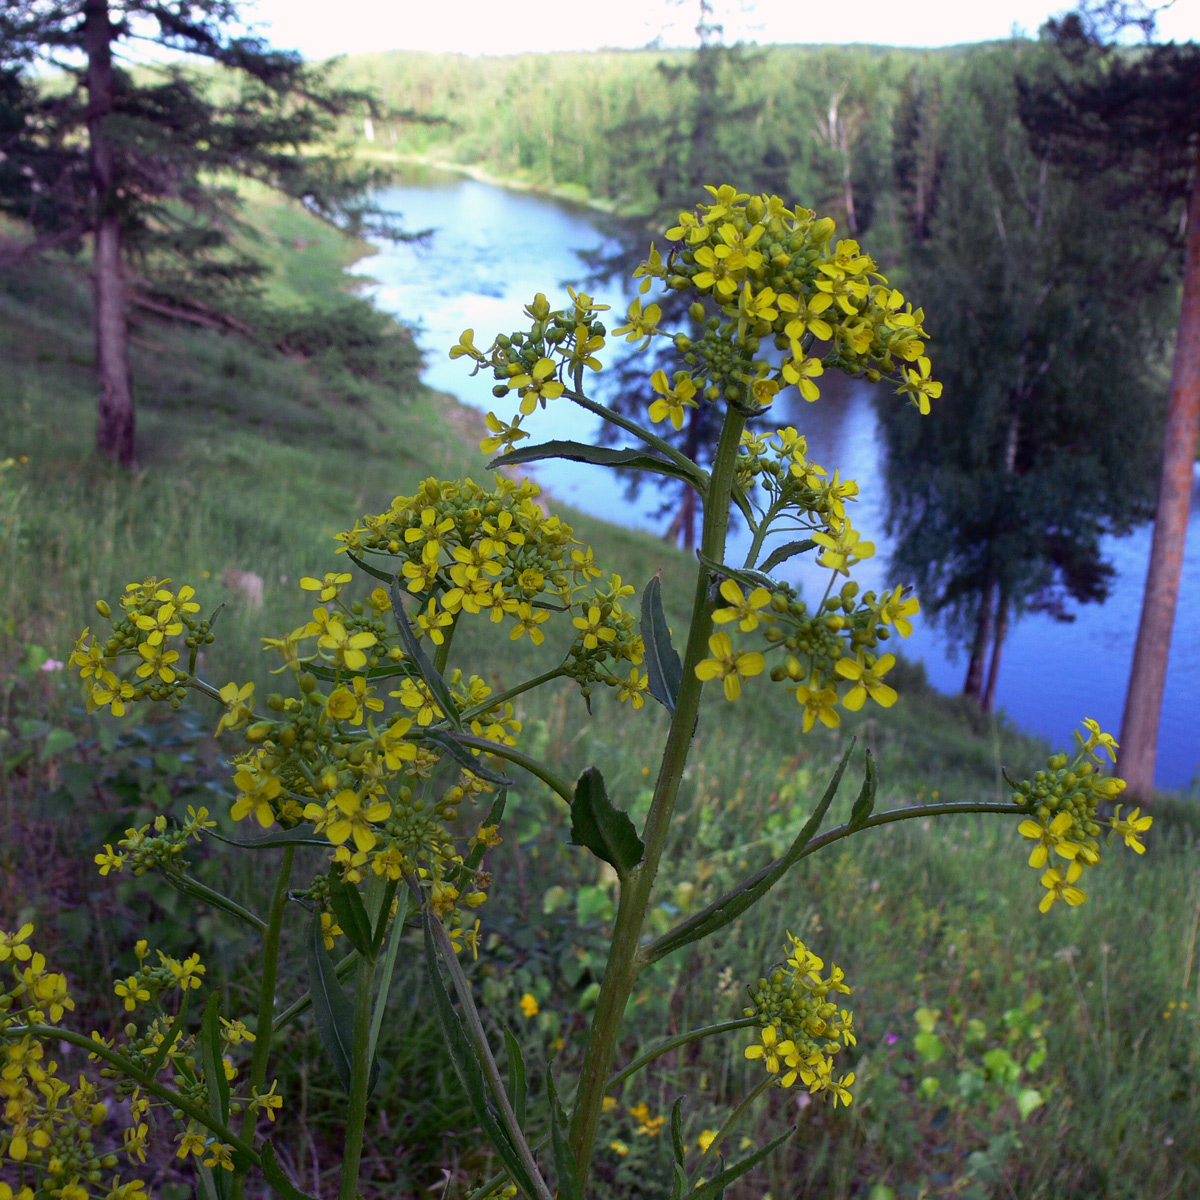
(494, 248)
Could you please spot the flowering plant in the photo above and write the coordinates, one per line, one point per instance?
(394, 762)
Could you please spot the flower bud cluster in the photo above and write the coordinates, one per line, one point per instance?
(1064, 800)
(800, 1027)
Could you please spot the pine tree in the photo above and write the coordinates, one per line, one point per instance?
(129, 155)
(1132, 117)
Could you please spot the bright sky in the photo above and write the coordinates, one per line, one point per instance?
(319, 29)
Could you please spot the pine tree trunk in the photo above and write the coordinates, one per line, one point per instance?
(1148, 676)
(988, 701)
(115, 419)
(973, 685)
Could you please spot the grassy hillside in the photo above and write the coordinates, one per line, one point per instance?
(250, 460)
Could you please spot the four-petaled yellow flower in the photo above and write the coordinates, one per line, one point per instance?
(1131, 828)
(1062, 887)
(729, 666)
(746, 610)
(673, 399)
(538, 386)
(868, 681)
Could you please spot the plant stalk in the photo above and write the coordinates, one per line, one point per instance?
(622, 967)
(360, 1074)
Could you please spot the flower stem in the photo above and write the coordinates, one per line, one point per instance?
(266, 1004)
(733, 1118)
(622, 967)
(360, 1075)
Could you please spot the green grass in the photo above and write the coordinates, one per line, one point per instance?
(251, 460)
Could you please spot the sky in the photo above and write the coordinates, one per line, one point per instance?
(320, 29)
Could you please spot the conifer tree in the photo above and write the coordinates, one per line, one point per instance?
(132, 155)
(1131, 115)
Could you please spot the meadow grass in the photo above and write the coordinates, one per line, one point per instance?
(251, 460)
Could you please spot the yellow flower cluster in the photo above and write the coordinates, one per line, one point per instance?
(801, 1028)
(776, 273)
(1064, 800)
(154, 622)
(49, 1127)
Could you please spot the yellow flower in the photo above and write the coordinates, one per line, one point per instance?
(537, 386)
(1098, 737)
(673, 399)
(1132, 828)
(158, 662)
(841, 550)
(633, 689)
(818, 706)
(919, 387)
(1051, 837)
(329, 586)
(191, 1142)
(347, 817)
(239, 705)
(893, 609)
(728, 666)
(503, 437)
(259, 787)
(267, 1101)
(609, 1104)
(643, 323)
(1062, 887)
(12, 945)
(594, 629)
(769, 1049)
(466, 345)
(619, 1147)
(868, 681)
(745, 610)
(132, 991)
(706, 1139)
(529, 1006)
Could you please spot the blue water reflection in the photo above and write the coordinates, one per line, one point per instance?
(494, 249)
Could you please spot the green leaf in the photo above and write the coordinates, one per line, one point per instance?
(735, 902)
(351, 915)
(751, 578)
(211, 1060)
(677, 1142)
(564, 1159)
(281, 1185)
(386, 576)
(865, 803)
(926, 1019)
(663, 667)
(782, 553)
(331, 1006)
(929, 1046)
(412, 647)
(389, 967)
(302, 835)
(606, 831)
(470, 1075)
(57, 742)
(516, 1075)
(1028, 1100)
(445, 740)
(600, 456)
(715, 1186)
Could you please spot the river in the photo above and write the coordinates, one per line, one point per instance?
(494, 248)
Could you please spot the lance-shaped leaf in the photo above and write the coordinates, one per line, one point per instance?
(212, 1061)
(601, 456)
(469, 1072)
(713, 1188)
(564, 1159)
(445, 740)
(735, 902)
(281, 1185)
(745, 575)
(332, 1009)
(677, 1143)
(351, 915)
(663, 667)
(302, 835)
(782, 553)
(516, 1075)
(865, 803)
(606, 831)
(412, 647)
(386, 576)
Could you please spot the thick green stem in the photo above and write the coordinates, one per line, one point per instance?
(621, 970)
(266, 1004)
(360, 1074)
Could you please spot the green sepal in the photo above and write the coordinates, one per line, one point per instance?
(715, 1187)
(564, 1160)
(280, 1184)
(865, 804)
(600, 456)
(469, 1073)
(516, 1076)
(782, 553)
(432, 677)
(604, 830)
(211, 1059)
(332, 1009)
(735, 902)
(663, 668)
(350, 912)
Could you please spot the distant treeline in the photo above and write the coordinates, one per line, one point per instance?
(847, 130)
